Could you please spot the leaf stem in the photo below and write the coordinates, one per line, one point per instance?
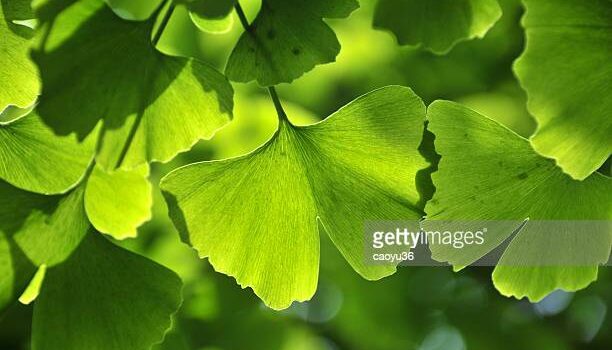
(164, 23)
(277, 104)
(242, 17)
(248, 28)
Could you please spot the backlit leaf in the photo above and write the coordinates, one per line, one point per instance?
(436, 25)
(107, 297)
(121, 78)
(33, 158)
(489, 174)
(118, 202)
(19, 83)
(255, 216)
(286, 40)
(567, 74)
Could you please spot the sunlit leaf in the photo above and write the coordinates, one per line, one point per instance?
(255, 216)
(118, 202)
(19, 83)
(436, 25)
(212, 16)
(489, 174)
(108, 297)
(33, 158)
(566, 72)
(286, 40)
(120, 77)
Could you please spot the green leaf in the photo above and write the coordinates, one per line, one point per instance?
(35, 159)
(15, 272)
(19, 82)
(566, 72)
(110, 66)
(118, 202)
(489, 174)
(255, 216)
(54, 226)
(436, 25)
(211, 16)
(108, 297)
(286, 40)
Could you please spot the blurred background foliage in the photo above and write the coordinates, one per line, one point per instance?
(417, 308)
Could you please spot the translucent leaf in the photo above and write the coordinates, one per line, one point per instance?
(108, 297)
(53, 227)
(255, 216)
(212, 16)
(566, 72)
(19, 83)
(88, 54)
(118, 202)
(286, 40)
(436, 25)
(33, 158)
(488, 173)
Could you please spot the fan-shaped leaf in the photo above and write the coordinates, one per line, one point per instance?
(286, 40)
(123, 79)
(108, 297)
(255, 216)
(489, 174)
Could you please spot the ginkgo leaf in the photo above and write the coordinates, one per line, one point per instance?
(566, 72)
(107, 297)
(19, 82)
(33, 158)
(212, 16)
(123, 79)
(255, 216)
(51, 231)
(286, 40)
(489, 174)
(118, 202)
(436, 25)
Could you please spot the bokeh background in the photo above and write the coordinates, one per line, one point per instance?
(426, 308)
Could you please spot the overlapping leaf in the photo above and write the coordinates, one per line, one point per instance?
(286, 40)
(97, 66)
(92, 287)
(212, 16)
(34, 159)
(19, 83)
(255, 216)
(118, 202)
(436, 25)
(489, 174)
(108, 297)
(566, 72)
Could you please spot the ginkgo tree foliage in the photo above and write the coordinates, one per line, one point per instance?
(88, 102)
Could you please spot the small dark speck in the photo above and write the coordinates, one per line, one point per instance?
(296, 51)
(522, 176)
(271, 34)
(251, 49)
(465, 135)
